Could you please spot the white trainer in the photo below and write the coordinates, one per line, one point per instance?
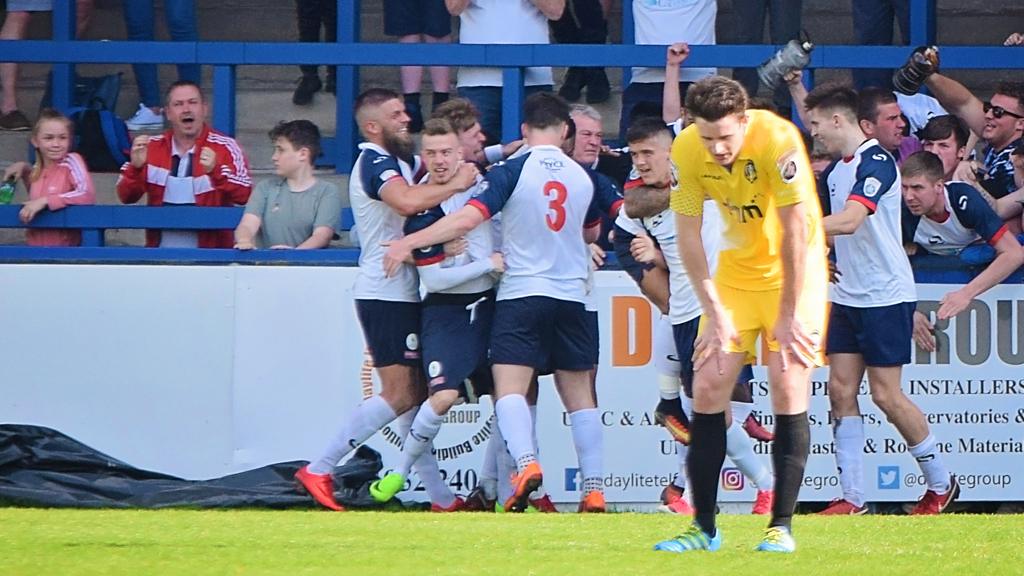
(145, 119)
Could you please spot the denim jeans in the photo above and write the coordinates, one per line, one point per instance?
(487, 100)
(180, 16)
(872, 26)
(784, 22)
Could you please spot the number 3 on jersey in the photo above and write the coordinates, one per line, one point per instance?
(557, 193)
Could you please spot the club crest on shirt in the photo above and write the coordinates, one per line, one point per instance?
(750, 172)
(871, 187)
(787, 166)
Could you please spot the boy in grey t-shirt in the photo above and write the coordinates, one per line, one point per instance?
(295, 210)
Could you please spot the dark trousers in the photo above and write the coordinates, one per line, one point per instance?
(583, 22)
(312, 15)
(784, 23)
(873, 26)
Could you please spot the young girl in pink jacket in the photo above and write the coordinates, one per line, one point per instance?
(58, 178)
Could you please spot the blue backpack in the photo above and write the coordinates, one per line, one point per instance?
(100, 137)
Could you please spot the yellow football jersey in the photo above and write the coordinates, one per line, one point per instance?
(772, 169)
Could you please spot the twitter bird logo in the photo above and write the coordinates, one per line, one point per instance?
(888, 477)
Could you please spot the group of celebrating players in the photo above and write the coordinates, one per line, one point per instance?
(721, 228)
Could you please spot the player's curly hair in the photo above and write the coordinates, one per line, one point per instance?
(460, 112)
(716, 97)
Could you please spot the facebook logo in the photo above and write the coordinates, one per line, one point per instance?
(888, 477)
(573, 479)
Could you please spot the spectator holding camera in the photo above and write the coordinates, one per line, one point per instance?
(296, 209)
(999, 122)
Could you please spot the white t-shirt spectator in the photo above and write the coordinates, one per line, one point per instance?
(668, 21)
(502, 22)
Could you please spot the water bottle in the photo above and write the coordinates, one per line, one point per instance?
(793, 56)
(7, 191)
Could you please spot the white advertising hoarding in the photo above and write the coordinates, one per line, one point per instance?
(207, 371)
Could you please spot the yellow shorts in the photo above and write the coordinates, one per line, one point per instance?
(753, 314)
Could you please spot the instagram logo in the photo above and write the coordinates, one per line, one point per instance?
(732, 479)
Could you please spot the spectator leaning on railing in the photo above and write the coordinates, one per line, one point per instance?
(189, 165)
(949, 219)
(295, 210)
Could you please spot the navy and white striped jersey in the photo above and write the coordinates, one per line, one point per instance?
(544, 197)
(874, 268)
(378, 223)
(969, 219)
(467, 273)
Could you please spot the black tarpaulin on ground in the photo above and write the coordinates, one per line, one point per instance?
(41, 467)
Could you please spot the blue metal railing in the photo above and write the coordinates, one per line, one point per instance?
(348, 54)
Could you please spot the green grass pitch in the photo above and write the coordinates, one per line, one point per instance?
(64, 542)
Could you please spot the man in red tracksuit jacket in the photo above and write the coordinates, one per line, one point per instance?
(190, 164)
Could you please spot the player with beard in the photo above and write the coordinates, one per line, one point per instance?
(540, 320)
(457, 311)
(381, 194)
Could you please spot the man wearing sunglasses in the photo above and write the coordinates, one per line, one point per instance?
(999, 122)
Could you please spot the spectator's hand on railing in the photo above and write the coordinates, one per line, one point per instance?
(924, 332)
(677, 54)
(30, 209)
(954, 303)
(139, 151)
(245, 244)
(282, 247)
(207, 159)
(16, 171)
(1015, 39)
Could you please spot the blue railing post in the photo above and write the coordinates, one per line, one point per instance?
(922, 22)
(346, 132)
(628, 37)
(511, 103)
(224, 100)
(93, 237)
(63, 74)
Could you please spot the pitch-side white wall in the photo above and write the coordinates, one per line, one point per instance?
(205, 371)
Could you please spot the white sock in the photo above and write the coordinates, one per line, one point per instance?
(588, 437)
(420, 437)
(936, 475)
(369, 416)
(533, 431)
(515, 422)
(505, 467)
(741, 451)
(664, 348)
(668, 387)
(425, 466)
(849, 434)
(740, 411)
(680, 480)
(489, 469)
(687, 405)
